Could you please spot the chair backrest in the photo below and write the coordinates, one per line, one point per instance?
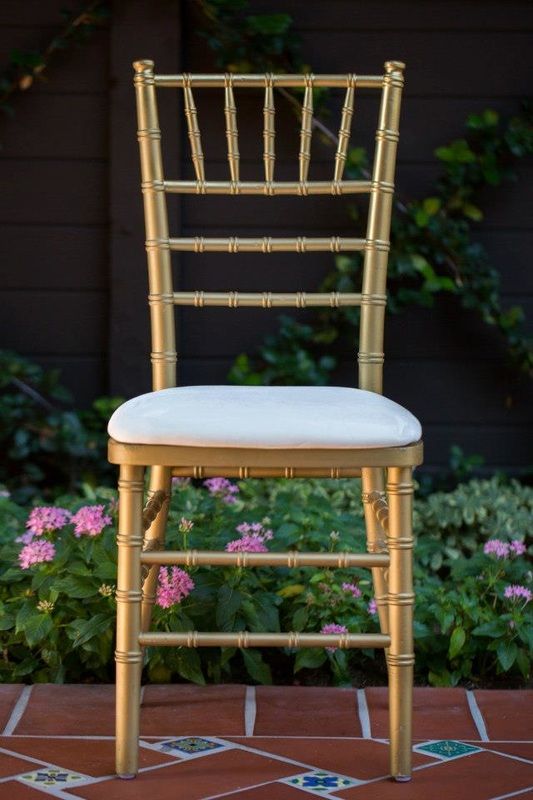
(159, 244)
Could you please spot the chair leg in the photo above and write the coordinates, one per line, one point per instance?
(128, 654)
(160, 480)
(401, 600)
(372, 479)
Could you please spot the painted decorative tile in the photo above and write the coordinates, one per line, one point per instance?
(446, 749)
(190, 746)
(318, 782)
(49, 776)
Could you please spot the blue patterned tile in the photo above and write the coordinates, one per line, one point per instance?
(52, 776)
(190, 746)
(446, 749)
(319, 782)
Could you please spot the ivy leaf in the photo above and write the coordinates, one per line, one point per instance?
(457, 641)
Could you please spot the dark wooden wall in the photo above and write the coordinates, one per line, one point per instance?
(73, 275)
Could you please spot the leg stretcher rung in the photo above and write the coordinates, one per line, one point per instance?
(293, 559)
(343, 641)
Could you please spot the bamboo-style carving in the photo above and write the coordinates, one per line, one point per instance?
(194, 130)
(306, 130)
(269, 188)
(232, 137)
(269, 130)
(249, 81)
(245, 639)
(380, 507)
(152, 508)
(267, 244)
(270, 299)
(345, 129)
(292, 560)
(289, 473)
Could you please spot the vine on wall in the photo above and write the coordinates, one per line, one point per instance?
(432, 249)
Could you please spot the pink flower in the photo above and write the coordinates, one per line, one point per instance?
(223, 489)
(515, 592)
(36, 552)
(372, 607)
(43, 519)
(185, 525)
(496, 547)
(90, 521)
(332, 627)
(518, 548)
(253, 538)
(352, 588)
(174, 585)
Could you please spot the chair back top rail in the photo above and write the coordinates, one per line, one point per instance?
(379, 187)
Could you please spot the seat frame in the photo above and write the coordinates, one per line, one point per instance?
(386, 472)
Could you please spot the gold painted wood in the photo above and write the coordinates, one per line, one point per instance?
(306, 130)
(345, 129)
(373, 485)
(163, 355)
(269, 244)
(250, 81)
(269, 130)
(334, 473)
(193, 128)
(269, 188)
(290, 559)
(232, 137)
(269, 299)
(128, 655)
(243, 639)
(250, 457)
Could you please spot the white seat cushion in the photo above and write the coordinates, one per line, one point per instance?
(264, 416)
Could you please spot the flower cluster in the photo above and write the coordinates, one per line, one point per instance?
(185, 525)
(501, 549)
(90, 521)
(36, 552)
(42, 520)
(223, 489)
(252, 540)
(332, 627)
(517, 592)
(174, 585)
(353, 589)
(372, 607)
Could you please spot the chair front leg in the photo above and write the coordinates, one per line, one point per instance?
(373, 485)
(401, 601)
(160, 481)
(128, 655)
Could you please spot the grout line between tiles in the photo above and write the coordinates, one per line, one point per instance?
(364, 716)
(250, 710)
(513, 794)
(50, 791)
(240, 789)
(509, 755)
(477, 716)
(18, 710)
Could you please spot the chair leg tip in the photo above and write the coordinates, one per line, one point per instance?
(126, 776)
(402, 778)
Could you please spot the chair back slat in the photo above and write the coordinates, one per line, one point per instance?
(345, 129)
(306, 131)
(232, 136)
(269, 130)
(380, 187)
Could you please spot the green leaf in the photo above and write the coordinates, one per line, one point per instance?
(507, 653)
(229, 602)
(37, 627)
(78, 586)
(472, 212)
(310, 658)
(299, 618)
(523, 663)
(81, 630)
(494, 629)
(256, 667)
(431, 205)
(189, 665)
(457, 641)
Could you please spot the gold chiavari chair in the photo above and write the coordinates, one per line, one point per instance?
(247, 431)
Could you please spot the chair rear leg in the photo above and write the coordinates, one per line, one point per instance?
(373, 484)
(128, 655)
(401, 601)
(160, 480)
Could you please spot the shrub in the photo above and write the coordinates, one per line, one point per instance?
(471, 614)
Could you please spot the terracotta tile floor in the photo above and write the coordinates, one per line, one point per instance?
(264, 743)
